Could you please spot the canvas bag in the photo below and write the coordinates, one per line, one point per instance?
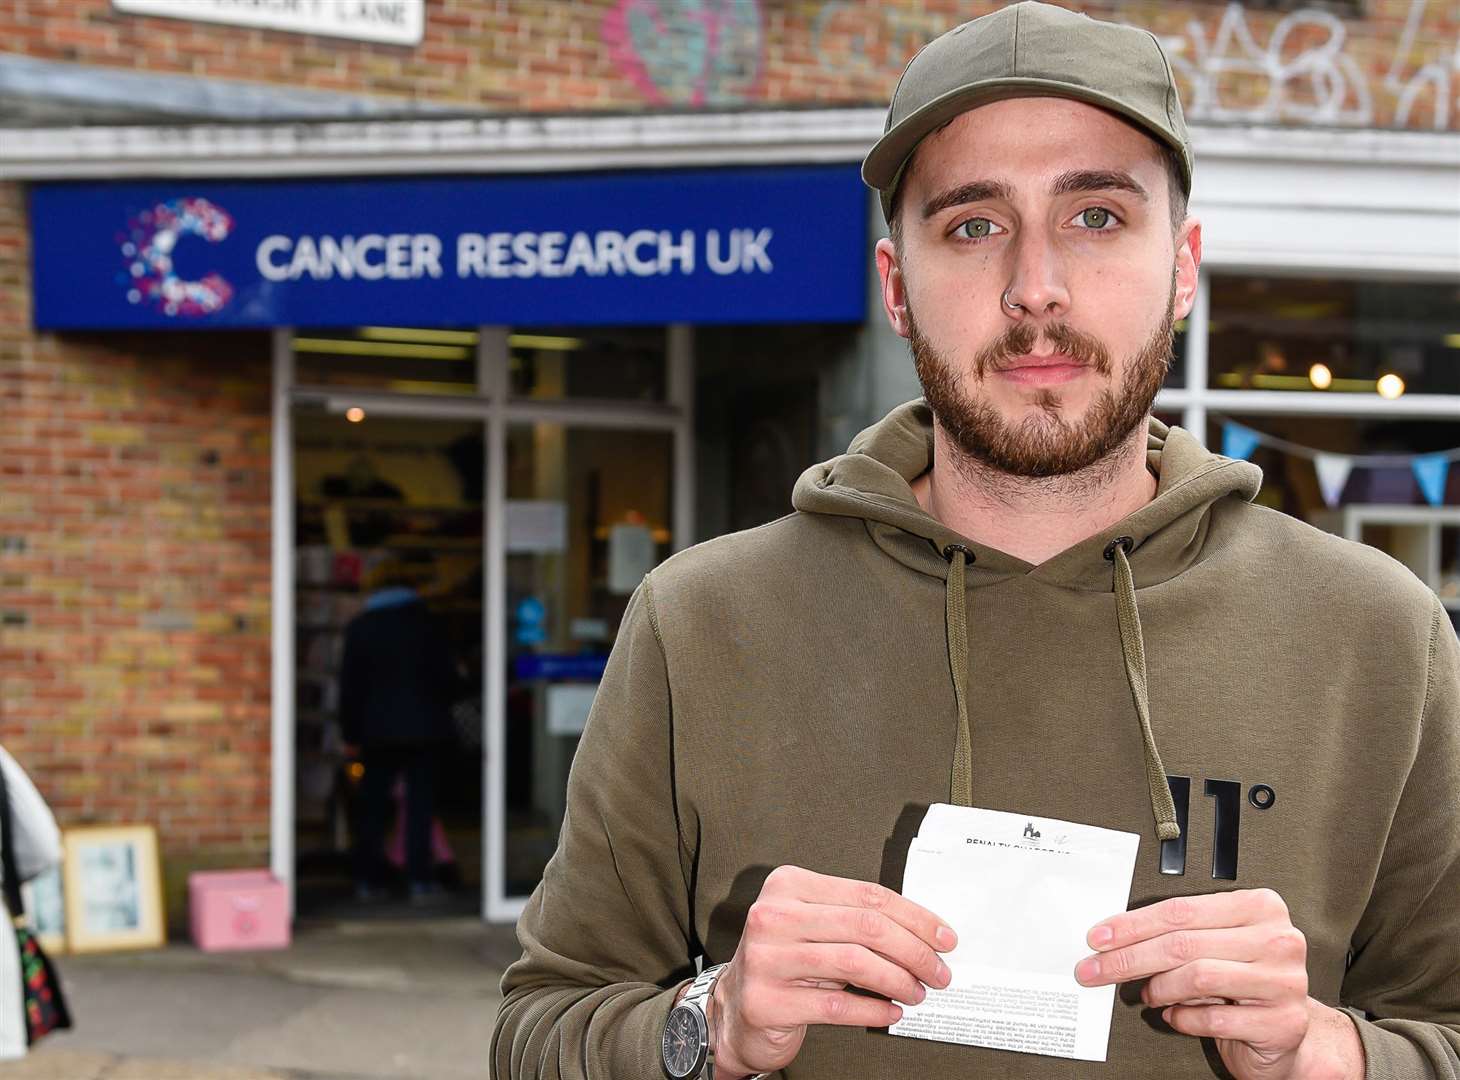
(40, 985)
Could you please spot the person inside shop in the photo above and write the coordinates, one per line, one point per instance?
(397, 682)
(1022, 593)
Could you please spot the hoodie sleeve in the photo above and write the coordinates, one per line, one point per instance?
(1403, 986)
(606, 936)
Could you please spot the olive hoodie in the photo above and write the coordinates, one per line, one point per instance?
(801, 693)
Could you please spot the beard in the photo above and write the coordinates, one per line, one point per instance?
(1045, 442)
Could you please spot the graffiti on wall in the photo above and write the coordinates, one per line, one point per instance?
(1408, 89)
(688, 52)
(1305, 67)
(1304, 72)
(1230, 75)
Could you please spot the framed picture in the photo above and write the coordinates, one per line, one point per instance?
(113, 888)
(45, 904)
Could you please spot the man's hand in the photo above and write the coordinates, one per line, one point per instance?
(807, 938)
(1231, 967)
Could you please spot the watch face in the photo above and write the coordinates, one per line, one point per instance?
(685, 1042)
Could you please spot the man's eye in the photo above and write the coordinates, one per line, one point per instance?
(1096, 217)
(977, 228)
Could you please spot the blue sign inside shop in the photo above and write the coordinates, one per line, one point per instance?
(785, 244)
(590, 666)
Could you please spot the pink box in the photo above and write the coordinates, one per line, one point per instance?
(238, 909)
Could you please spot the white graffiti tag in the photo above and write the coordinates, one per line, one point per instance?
(1434, 75)
(1233, 78)
(1306, 72)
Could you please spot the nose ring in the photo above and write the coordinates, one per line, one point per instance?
(1009, 303)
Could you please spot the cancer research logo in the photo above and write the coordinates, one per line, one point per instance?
(150, 276)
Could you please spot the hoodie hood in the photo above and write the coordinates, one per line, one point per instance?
(872, 481)
(1160, 540)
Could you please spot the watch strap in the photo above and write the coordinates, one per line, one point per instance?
(699, 995)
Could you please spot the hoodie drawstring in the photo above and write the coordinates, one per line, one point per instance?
(956, 624)
(1132, 648)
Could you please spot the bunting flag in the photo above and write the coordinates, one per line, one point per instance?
(1333, 470)
(1238, 441)
(1431, 471)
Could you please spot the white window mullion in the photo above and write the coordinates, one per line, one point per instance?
(1198, 323)
(493, 354)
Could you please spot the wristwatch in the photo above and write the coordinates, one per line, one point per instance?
(689, 1044)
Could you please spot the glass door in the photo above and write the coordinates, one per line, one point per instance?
(588, 513)
(389, 516)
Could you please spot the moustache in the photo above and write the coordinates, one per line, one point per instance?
(1020, 340)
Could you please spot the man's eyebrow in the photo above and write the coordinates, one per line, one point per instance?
(977, 191)
(1079, 180)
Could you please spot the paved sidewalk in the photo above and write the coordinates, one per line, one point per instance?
(409, 999)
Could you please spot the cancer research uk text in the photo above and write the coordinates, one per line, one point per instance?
(407, 256)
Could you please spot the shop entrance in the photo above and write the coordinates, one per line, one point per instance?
(514, 485)
(389, 535)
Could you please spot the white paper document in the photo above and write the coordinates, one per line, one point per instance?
(1021, 893)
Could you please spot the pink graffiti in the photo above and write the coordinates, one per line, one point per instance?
(688, 52)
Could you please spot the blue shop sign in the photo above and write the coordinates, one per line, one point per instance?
(786, 244)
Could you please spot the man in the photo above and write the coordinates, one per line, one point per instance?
(1024, 595)
(396, 684)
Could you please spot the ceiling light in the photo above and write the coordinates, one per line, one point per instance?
(411, 333)
(544, 341)
(354, 414)
(406, 350)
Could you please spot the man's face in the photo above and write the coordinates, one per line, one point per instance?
(1065, 208)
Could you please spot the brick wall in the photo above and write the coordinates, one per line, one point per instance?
(1392, 67)
(134, 573)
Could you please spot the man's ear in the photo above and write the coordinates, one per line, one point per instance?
(1188, 264)
(894, 286)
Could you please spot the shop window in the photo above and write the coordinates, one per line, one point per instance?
(604, 363)
(1176, 377)
(1290, 478)
(1340, 337)
(400, 359)
(767, 402)
(1379, 502)
(588, 514)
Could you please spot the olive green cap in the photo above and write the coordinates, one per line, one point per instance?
(1029, 50)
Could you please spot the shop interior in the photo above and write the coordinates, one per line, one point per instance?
(1354, 341)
